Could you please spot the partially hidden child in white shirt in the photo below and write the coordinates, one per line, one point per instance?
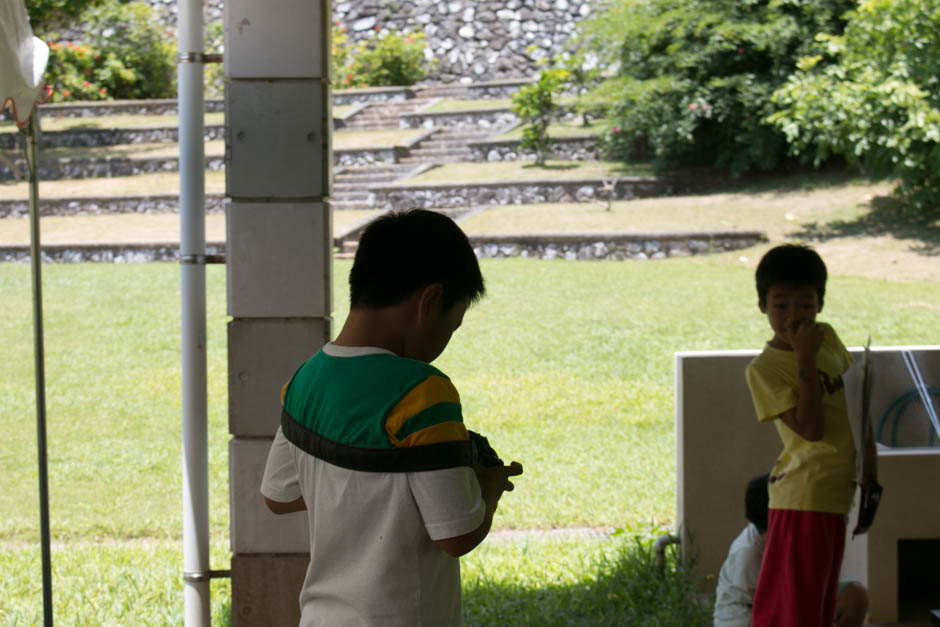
(737, 579)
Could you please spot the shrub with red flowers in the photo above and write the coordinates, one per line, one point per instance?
(74, 72)
(387, 58)
(126, 55)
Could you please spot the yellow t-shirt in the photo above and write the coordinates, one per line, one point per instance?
(809, 476)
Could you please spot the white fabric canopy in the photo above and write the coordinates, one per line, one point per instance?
(23, 60)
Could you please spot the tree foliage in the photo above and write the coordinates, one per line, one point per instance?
(872, 95)
(46, 16)
(536, 107)
(692, 81)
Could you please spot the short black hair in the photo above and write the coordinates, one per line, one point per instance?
(403, 251)
(756, 501)
(792, 264)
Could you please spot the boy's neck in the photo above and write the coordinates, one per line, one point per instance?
(379, 328)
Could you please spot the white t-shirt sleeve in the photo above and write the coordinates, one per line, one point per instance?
(281, 479)
(449, 500)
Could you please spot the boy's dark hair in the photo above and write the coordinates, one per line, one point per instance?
(793, 264)
(756, 501)
(403, 251)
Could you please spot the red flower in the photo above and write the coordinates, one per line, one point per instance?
(410, 40)
(691, 106)
(66, 93)
(102, 91)
(86, 84)
(377, 27)
(349, 77)
(616, 129)
(740, 50)
(342, 30)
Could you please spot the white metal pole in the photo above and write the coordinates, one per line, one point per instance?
(193, 312)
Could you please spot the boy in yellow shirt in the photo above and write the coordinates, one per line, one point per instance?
(796, 382)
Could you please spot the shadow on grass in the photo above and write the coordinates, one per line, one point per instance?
(550, 166)
(625, 590)
(885, 217)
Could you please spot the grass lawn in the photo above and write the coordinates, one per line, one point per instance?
(131, 228)
(138, 185)
(50, 122)
(570, 128)
(566, 367)
(353, 139)
(456, 105)
(490, 172)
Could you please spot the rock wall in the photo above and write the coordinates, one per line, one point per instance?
(472, 40)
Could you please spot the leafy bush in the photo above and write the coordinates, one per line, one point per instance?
(692, 81)
(386, 59)
(46, 16)
(214, 72)
(126, 55)
(74, 72)
(536, 107)
(139, 53)
(872, 95)
(341, 55)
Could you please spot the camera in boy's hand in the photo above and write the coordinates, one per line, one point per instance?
(483, 453)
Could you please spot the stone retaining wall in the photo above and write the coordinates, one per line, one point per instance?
(166, 106)
(103, 253)
(477, 119)
(567, 246)
(102, 167)
(568, 148)
(444, 195)
(470, 39)
(215, 203)
(89, 138)
(616, 246)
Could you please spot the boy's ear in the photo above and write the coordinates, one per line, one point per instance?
(429, 298)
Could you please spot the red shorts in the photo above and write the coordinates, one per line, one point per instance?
(799, 575)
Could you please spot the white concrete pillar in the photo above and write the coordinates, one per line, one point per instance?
(279, 248)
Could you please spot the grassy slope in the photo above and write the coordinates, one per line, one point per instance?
(566, 367)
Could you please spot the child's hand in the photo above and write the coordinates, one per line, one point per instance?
(495, 480)
(806, 338)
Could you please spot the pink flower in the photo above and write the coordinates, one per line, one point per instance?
(410, 40)
(86, 84)
(616, 130)
(704, 107)
(691, 106)
(740, 50)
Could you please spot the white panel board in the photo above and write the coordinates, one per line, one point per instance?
(254, 528)
(274, 39)
(278, 260)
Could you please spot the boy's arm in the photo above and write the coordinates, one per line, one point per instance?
(806, 419)
(279, 507)
(493, 482)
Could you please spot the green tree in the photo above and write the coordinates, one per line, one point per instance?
(46, 16)
(872, 96)
(536, 107)
(692, 81)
